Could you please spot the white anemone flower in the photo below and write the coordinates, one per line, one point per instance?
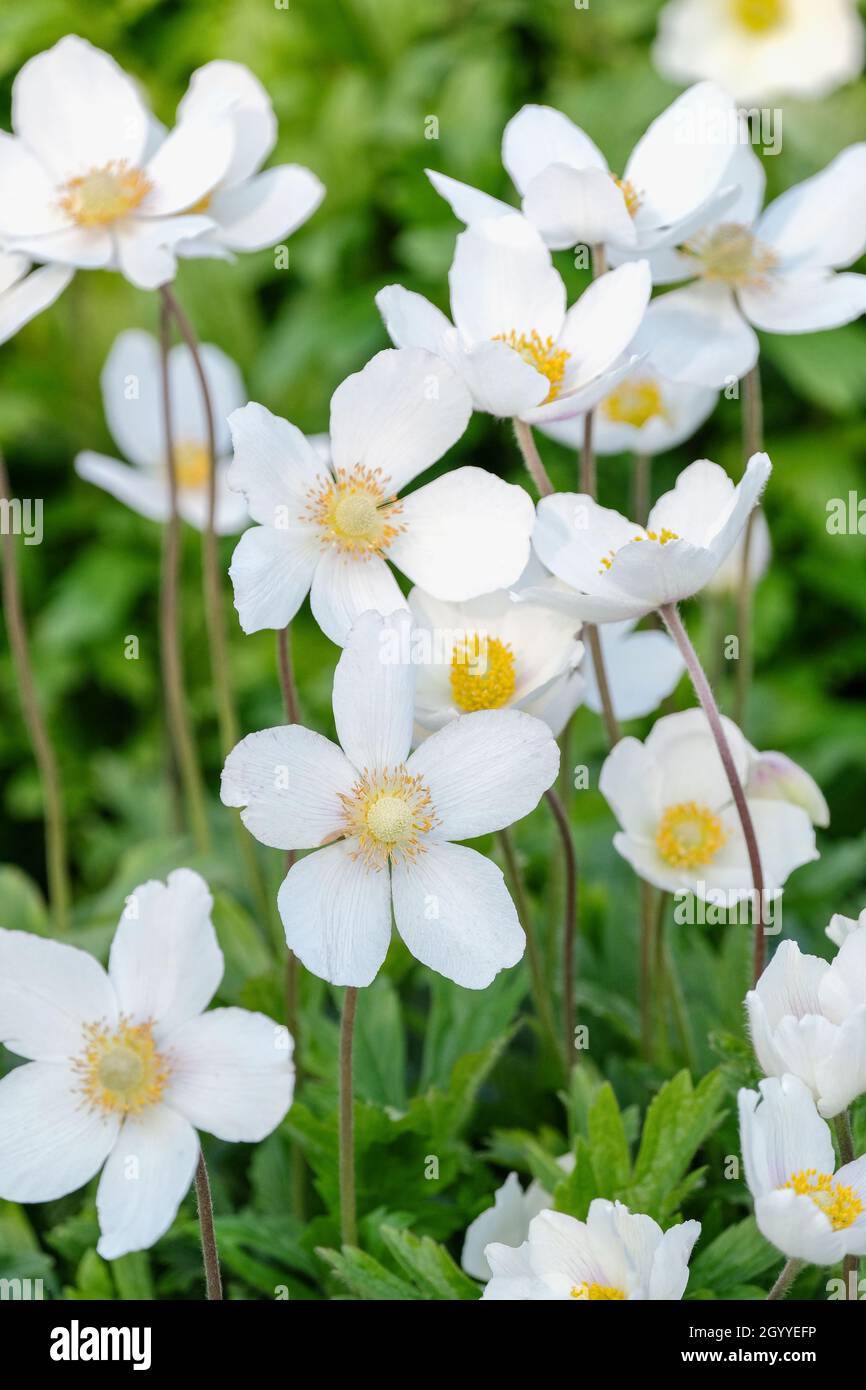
(615, 569)
(384, 820)
(840, 926)
(761, 49)
(250, 207)
(23, 295)
(520, 350)
(679, 827)
(81, 183)
(807, 1016)
(776, 270)
(674, 178)
(803, 1205)
(123, 1067)
(728, 577)
(507, 1222)
(642, 669)
(329, 529)
(614, 1255)
(132, 399)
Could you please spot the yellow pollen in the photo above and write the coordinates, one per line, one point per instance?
(121, 1072)
(191, 465)
(630, 194)
(731, 254)
(482, 672)
(840, 1204)
(388, 813)
(759, 16)
(689, 835)
(661, 537)
(634, 403)
(540, 353)
(354, 511)
(202, 205)
(104, 195)
(597, 1293)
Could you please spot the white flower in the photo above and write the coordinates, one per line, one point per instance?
(614, 1255)
(251, 209)
(642, 669)
(803, 1206)
(680, 829)
(329, 530)
(761, 49)
(507, 1221)
(132, 399)
(840, 926)
(23, 295)
(616, 569)
(673, 178)
(521, 352)
(775, 270)
(83, 182)
(728, 576)
(777, 777)
(385, 820)
(123, 1067)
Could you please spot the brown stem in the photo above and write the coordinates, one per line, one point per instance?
(533, 954)
(287, 676)
(210, 1254)
(348, 1214)
(569, 924)
(753, 431)
(785, 1280)
(532, 458)
(641, 487)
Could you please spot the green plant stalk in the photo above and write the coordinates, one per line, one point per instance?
(569, 925)
(753, 431)
(540, 991)
(210, 1254)
(348, 1212)
(851, 1263)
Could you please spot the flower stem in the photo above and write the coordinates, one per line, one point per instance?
(785, 1280)
(569, 925)
(169, 627)
(348, 1214)
(532, 458)
(851, 1263)
(287, 675)
(43, 749)
(533, 953)
(753, 431)
(674, 624)
(647, 935)
(640, 487)
(210, 1254)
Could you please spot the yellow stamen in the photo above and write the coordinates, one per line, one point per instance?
(355, 511)
(388, 813)
(191, 465)
(840, 1204)
(104, 195)
(121, 1071)
(597, 1293)
(630, 194)
(689, 835)
(634, 403)
(482, 672)
(540, 353)
(731, 254)
(759, 16)
(662, 537)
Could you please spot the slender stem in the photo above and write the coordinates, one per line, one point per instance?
(210, 1254)
(753, 432)
(851, 1263)
(569, 924)
(43, 750)
(540, 991)
(641, 487)
(532, 458)
(674, 624)
(287, 675)
(169, 628)
(647, 934)
(608, 714)
(348, 1214)
(785, 1280)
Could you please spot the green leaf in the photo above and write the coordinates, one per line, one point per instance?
(677, 1122)
(366, 1278)
(574, 1193)
(429, 1265)
(380, 1046)
(737, 1256)
(607, 1140)
(22, 905)
(132, 1276)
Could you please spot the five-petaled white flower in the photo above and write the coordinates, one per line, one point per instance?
(507, 1222)
(680, 829)
(87, 179)
(385, 820)
(803, 1205)
(23, 295)
(123, 1067)
(614, 1255)
(520, 350)
(330, 529)
(132, 399)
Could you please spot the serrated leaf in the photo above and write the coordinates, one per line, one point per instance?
(429, 1265)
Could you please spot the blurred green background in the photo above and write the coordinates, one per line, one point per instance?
(353, 83)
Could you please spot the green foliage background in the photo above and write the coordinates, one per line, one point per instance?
(440, 1072)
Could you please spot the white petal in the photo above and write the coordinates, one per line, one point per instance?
(670, 1268)
(791, 983)
(572, 535)
(781, 1134)
(506, 1222)
(271, 572)
(51, 1143)
(227, 394)
(684, 748)
(37, 291)
(30, 206)
(146, 247)
(230, 509)
(786, 840)
(13, 268)
(412, 321)
(187, 166)
(224, 89)
(798, 1227)
(337, 914)
(732, 524)
(274, 465)
(502, 280)
(345, 586)
(231, 1074)
(500, 381)
(631, 783)
(266, 208)
(540, 135)
(289, 781)
(512, 1279)
(466, 202)
(699, 502)
(643, 668)
(821, 221)
(703, 337)
(48, 992)
(805, 301)
(600, 326)
(570, 205)
(681, 160)
(132, 397)
(374, 691)
(145, 492)
(145, 1180)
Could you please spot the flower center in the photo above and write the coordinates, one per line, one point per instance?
(759, 16)
(689, 835)
(354, 511)
(191, 465)
(660, 537)
(482, 672)
(540, 353)
(596, 1293)
(388, 813)
(104, 195)
(630, 194)
(634, 403)
(732, 254)
(121, 1072)
(840, 1204)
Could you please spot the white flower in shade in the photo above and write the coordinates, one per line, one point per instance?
(728, 577)
(775, 270)
(23, 295)
(642, 669)
(674, 177)
(615, 569)
(124, 1067)
(87, 180)
(761, 49)
(520, 350)
(132, 398)
(680, 829)
(384, 820)
(329, 530)
(251, 208)
(807, 1016)
(614, 1255)
(778, 778)
(507, 1221)
(840, 926)
(803, 1205)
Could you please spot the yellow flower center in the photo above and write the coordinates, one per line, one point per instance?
(540, 353)
(630, 194)
(660, 537)
(634, 403)
(191, 465)
(840, 1204)
(388, 813)
(689, 835)
(596, 1293)
(104, 195)
(121, 1072)
(354, 511)
(759, 16)
(731, 254)
(482, 672)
